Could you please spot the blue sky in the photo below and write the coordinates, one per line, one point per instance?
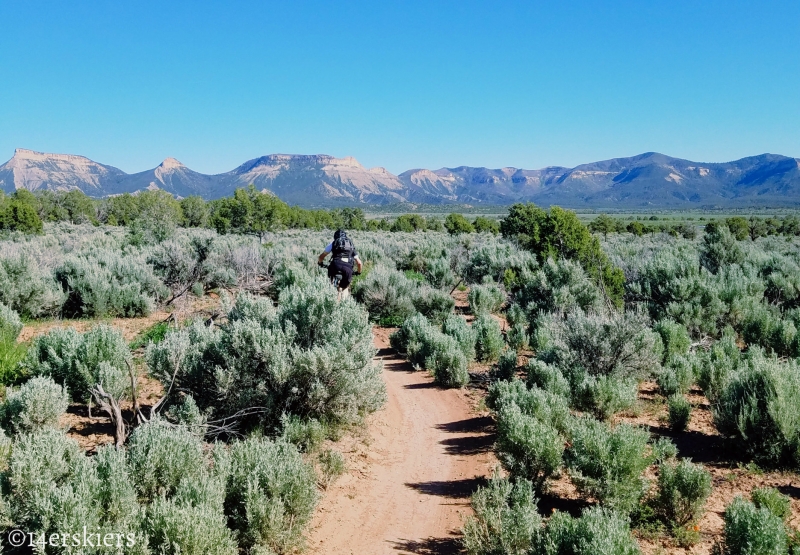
(400, 84)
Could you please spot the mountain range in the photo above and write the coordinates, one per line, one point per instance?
(649, 180)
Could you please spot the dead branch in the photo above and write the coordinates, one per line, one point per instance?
(110, 405)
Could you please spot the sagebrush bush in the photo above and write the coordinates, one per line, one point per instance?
(517, 336)
(679, 411)
(435, 305)
(547, 377)
(332, 465)
(160, 456)
(604, 396)
(439, 274)
(187, 529)
(36, 405)
(270, 494)
(10, 324)
(312, 358)
(683, 488)
(674, 337)
(752, 531)
(386, 294)
(488, 338)
(485, 299)
(427, 347)
(457, 327)
(778, 504)
(607, 462)
(505, 521)
(758, 404)
(79, 361)
(528, 447)
(506, 365)
(28, 288)
(598, 531)
(538, 403)
(108, 284)
(677, 376)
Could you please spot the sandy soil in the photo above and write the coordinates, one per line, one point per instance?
(411, 476)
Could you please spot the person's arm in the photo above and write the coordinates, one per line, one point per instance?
(359, 264)
(321, 258)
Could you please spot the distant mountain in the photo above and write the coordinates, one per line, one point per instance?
(650, 180)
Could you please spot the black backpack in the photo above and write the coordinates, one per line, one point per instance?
(343, 247)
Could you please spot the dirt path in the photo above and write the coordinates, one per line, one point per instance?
(408, 484)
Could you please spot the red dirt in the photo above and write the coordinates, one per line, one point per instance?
(409, 482)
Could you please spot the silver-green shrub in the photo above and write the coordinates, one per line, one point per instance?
(759, 405)
(607, 462)
(10, 324)
(27, 287)
(679, 412)
(270, 494)
(386, 294)
(107, 283)
(427, 347)
(174, 527)
(506, 365)
(677, 375)
(778, 504)
(439, 274)
(538, 403)
(36, 405)
(527, 446)
(488, 338)
(485, 299)
(457, 327)
(160, 456)
(683, 488)
(79, 361)
(435, 305)
(598, 531)
(547, 377)
(752, 531)
(505, 521)
(674, 337)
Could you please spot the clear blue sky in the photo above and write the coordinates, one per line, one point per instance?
(400, 84)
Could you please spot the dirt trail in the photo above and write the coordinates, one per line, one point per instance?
(408, 485)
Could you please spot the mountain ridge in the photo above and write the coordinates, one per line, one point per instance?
(647, 180)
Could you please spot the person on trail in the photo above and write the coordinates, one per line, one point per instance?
(344, 255)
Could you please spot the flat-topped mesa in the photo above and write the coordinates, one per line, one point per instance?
(25, 154)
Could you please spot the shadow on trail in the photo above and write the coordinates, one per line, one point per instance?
(430, 546)
(478, 424)
(452, 489)
(550, 503)
(469, 445)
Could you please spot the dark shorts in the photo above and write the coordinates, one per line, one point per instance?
(344, 268)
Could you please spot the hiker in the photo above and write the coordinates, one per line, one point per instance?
(343, 253)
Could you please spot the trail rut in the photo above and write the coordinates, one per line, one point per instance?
(408, 486)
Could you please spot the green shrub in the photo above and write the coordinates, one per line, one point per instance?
(680, 412)
(604, 396)
(410, 333)
(542, 405)
(79, 361)
(505, 521)
(174, 527)
(305, 434)
(607, 463)
(270, 494)
(758, 405)
(517, 336)
(10, 324)
(36, 405)
(385, 293)
(674, 337)
(722, 359)
(160, 456)
(332, 465)
(186, 414)
(457, 327)
(108, 284)
(778, 504)
(677, 376)
(485, 299)
(682, 491)
(598, 531)
(435, 305)
(528, 447)
(28, 288)
(752, 531)
(446, 361)
(153, 334)
(11, 355)
(439, 274)
(488, 338)
(506, 365)
(547, 377)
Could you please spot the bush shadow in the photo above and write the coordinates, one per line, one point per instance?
(452, 489)
(430, 546)
(469, 445)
